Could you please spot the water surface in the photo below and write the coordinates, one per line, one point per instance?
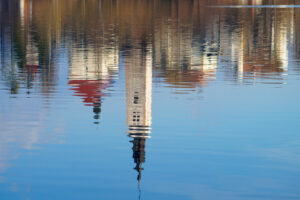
(136, 99)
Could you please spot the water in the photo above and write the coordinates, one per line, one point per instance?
(136, 99)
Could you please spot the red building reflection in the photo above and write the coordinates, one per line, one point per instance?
(91, 92)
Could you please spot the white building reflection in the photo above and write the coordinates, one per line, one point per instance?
(91, 71)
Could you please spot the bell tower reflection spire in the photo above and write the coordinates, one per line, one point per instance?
(138, 67)
(97, 110)
(138, 155)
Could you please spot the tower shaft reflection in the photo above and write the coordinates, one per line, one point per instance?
(139, 98)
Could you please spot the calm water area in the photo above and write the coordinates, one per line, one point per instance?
(149, 99)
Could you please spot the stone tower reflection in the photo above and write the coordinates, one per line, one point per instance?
(139, 97)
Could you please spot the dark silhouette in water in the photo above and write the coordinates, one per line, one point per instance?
(138, 155)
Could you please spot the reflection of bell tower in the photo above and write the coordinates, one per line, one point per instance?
(139, 97)
(139, 154)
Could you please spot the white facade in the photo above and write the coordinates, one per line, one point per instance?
(139, 92)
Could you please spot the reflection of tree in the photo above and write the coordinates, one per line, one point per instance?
(8, 71)
(29, 42)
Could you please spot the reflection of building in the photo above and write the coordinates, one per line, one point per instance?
(260, 47)
(90, 73)
(91, 92)
(32, 55)
(32, 64)
(186, 56)
(139, 96)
